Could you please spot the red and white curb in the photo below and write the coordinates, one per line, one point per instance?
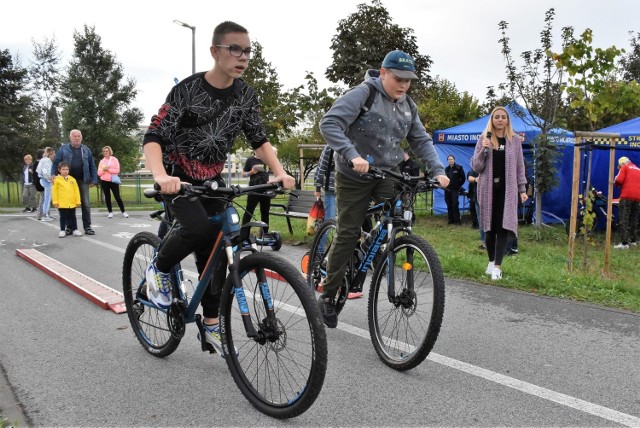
(97, 292)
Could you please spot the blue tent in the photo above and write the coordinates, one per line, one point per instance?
(460, 142)
(627, 145)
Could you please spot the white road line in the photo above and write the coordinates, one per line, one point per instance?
(526, 387)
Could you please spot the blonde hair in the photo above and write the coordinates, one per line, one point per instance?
(29, 157)
(48, 151)
(108, 148)
(509, 133)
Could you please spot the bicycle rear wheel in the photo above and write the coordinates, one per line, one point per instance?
(405, 315)
(149, 324)
(281, 372)
(318, 254)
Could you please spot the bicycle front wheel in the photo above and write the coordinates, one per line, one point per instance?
(150, 325)
(281, 371)
(406, 303)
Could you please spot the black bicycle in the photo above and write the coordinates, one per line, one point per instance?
(267, 312)
(406, 301)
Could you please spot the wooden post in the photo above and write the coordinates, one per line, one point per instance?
(607, 241)
(574, 203)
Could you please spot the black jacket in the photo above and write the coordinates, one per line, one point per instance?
(456, 176)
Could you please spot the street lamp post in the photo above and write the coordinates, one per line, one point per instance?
(193, 43)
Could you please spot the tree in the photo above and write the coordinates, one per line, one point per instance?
(362, 41)
(442, 106)
(278, 109)
(96, 101)
(45, 79)
(538, 83)
(18, 117)
(630, 63)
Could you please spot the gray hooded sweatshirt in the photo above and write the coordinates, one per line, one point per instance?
(376, 134)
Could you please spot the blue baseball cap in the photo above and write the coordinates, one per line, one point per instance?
(401, 64)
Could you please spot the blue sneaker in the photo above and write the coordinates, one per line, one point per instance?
(158, 286)
(212, 337)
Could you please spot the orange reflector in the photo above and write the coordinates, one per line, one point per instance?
(304, 263)
(407, 266)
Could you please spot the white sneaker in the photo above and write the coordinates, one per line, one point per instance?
(621, 246)
(110, 215)
(158, 286)
(489, 270)
(633, 244)
(212, 337)
(125, 215)
(496, 274)
(76, 233)
(47, 218)
(62, 234)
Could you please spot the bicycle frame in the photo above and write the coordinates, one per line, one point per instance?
(228, 240)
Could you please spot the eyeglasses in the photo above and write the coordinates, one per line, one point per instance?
(236, 50)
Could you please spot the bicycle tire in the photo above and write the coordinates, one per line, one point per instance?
(403, 335)
(317, 263)
(322, 242)
(150, 325)
(283, 377)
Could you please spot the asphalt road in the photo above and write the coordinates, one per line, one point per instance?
(503, 358)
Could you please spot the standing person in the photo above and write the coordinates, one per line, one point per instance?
(192, 134)
(81, 167)
(628, 179)
(107, 168)
(256, 169)
(46, 180)
(472, 178)
(324, 178)
(36, 182)
(499, 161)
(28, 188)
(66, 197)
(372, 137)
(455, 173)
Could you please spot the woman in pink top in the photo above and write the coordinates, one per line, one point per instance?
(107, 168)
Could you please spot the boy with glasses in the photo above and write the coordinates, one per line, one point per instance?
(188, 141)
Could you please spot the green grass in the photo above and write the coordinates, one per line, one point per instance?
(540, 266)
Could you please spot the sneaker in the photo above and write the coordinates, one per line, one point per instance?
(34, 210)
(158, 286)
(47, 218)
(327, 307)
(62, 234)
(67, 231)
(125, 215)
(110, 215)
(212, 337)
(482, 246)
(621, 246)
(355, 295)
(489, 270)
(76, 233)
(496, 274)
(89, 231)
(26, 210)
(633, 244)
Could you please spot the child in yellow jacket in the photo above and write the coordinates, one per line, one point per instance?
(66, 197)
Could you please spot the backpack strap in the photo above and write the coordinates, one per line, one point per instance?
(372, 97)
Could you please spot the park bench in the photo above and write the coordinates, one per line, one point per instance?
(298, 206)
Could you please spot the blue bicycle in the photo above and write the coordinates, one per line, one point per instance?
(267, 312)
(406, 295)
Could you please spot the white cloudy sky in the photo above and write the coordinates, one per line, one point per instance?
(461, 36)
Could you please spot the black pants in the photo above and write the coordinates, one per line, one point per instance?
(265, 206)
(197, 235)
(453, 209)
(107, 188)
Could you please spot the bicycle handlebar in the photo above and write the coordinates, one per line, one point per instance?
(380, 173)
(212, 188)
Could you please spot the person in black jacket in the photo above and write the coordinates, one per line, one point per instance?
(455, 173)
(256, 169)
